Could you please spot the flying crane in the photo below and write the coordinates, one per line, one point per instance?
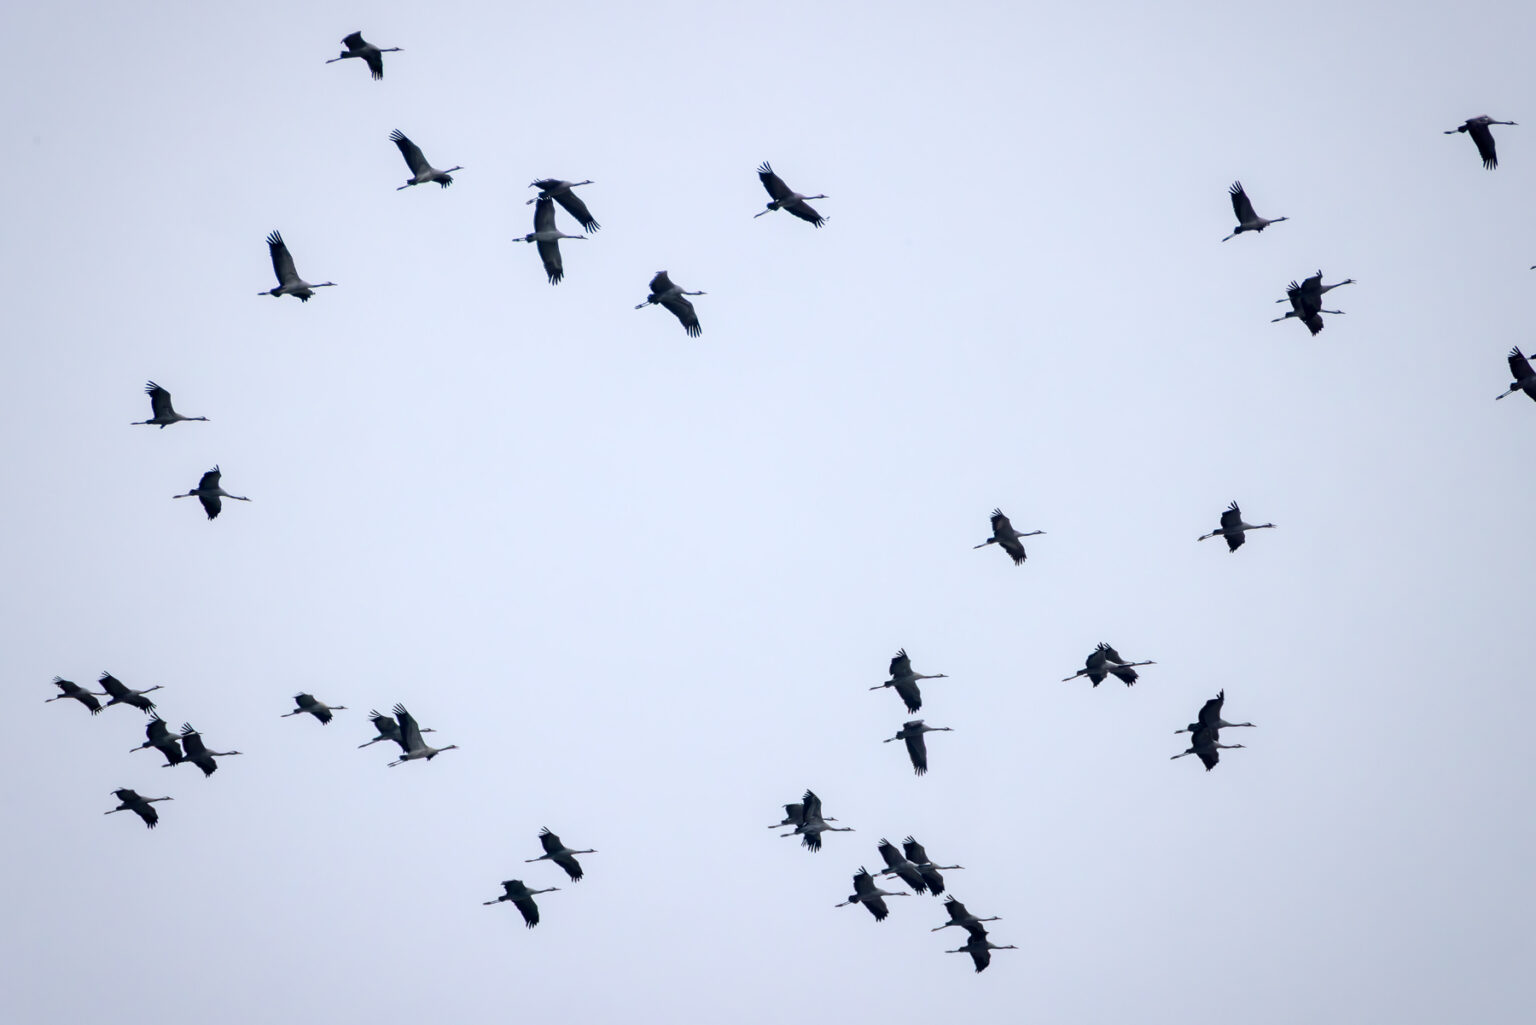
(1247, 220)
(209, 492)
(871, 896)
(319, 709)
(122, 694)
(560, 854)
(904, 680)
(560, 192)
(288, 280)
(785, 198)
(1006, 538)
(421, 171)
(140, 806)
(548, 238)
(664, 293)
(365, 51)
(1524, 377)
(71, 689)
(1477, 127)
(160, 406)
(522, 899)
(1233, 528)
(917, 749)
(1106, 661)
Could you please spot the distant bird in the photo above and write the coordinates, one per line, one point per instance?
(560, 192)
(1520, 369)
(140, 806)
(980, 949)
(160, 405)
(319, 709)
(1247, 220)
(161, 737)
(367, 52)
(411, 744)
(896, 864)
(930, 872)
(785, 198)
(1306, 301)
(1477, 127)
(871, 896)
(1210, 716)
(1004, 536)
(904, 680)
(1233, 528)
(288, 280)
(793, 813)
(548, 238)
(665, 293)
(522, 899)
(1106, 661)
(70, 689)
(421, 171)
(958, 915)
(208, 492)
(387, 728)
(917, 748)
(560, 854)
(122, 694)
(812, 824)
(1205, 742)
(197, 752)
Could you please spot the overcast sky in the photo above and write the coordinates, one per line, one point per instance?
(644, 581)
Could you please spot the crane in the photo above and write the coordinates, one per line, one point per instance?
(161, 737)
(160, 406)
(197, 752)
(1205, 742)
(896, 864)
(1306, 301)
(904, 680)
(1247, 220)
(665, 293)
(1210, 716)
(421, 171)
(1524, 377)
(811, 824)
(980, 948)
(917, 748)
(785, 198)
(560, 192)
(140, 806)
(388, 729)
(930, 872)
(1106, 661)
(208, 492)
(560, 854)
(1233, 528)
(871, 896)
(548, 238)
(122, 694)
(1477, 127)
(356, 46)
(288, 280)
(792, 812)
(71, 689)
(958, 915)
(410, 740)
(522, 899)
(1005, 537)
(319, 709)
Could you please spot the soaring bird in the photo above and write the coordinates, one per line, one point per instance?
(411, 744)
(548, 238)
(917, 749)
(958, 915)
(930, 872)
(812, 824)
(161, 737)
(122, 694)
(388, 729)
(871, 896)
(522, 899)
(1247, 220)
(140, 806)
(71, 689)
(560, 192)
(288, 280)
(1524, 377)
(357, 47)
(1306, 301)
(785, 198)
(1210, 716)
(1005, 537)
(980, 949)
(319, 709)
(896, 864)
(665, 293)
(1477, 127)
(197, 752)
(160, 406)
(1233, 528)
(208, 492)
(904, 680)
(1205, 742)
(1106, 661)
(560, 854)
(421, 171)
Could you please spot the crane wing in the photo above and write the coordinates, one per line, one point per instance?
(863, 883)
(527, 908)
(375, 61)
(549, 252)
(1125, 674)
(159, 401)
(1001, 526)
(1240, 204)
(1232, 519)
(577, 209)
(980, 956)
(544, 215)
(683, 310)
(192, 741)
(917, 750)
(661, 283)
(910, 695)
(1015, 549)
(1210, 712)
(803, 210)
(550, 841)
(889, 852)
(1484, 139)
(113, 686)
(354, 41)
(901, 665)
(211, 505)
(810, 810)
(1519, 366)
(147, 812)
(773, 183)
(282, 262)
(410, 733)
(914, 851)
(410, 151)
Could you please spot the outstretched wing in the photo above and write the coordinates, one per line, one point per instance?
(917, 750)
(1210, 712)
(661, 283)
(1015, 549)
(773, 183)
(159, 401)
(901, 665)
(410, 733)
(282, 262)
(911, 695)
(544, 215)
(375, 61)
(410, 151)
(1240, 204)
(113, 686)
(550, 841)
(1519, 366)
(1232, 518)
(549, 252)
(354, 41)
(682, 309)
(577, 209)
(803, 210)
(1484, 139)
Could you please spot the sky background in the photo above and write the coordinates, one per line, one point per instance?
(644, 580)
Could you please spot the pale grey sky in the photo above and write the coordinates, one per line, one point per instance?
(644, 580)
